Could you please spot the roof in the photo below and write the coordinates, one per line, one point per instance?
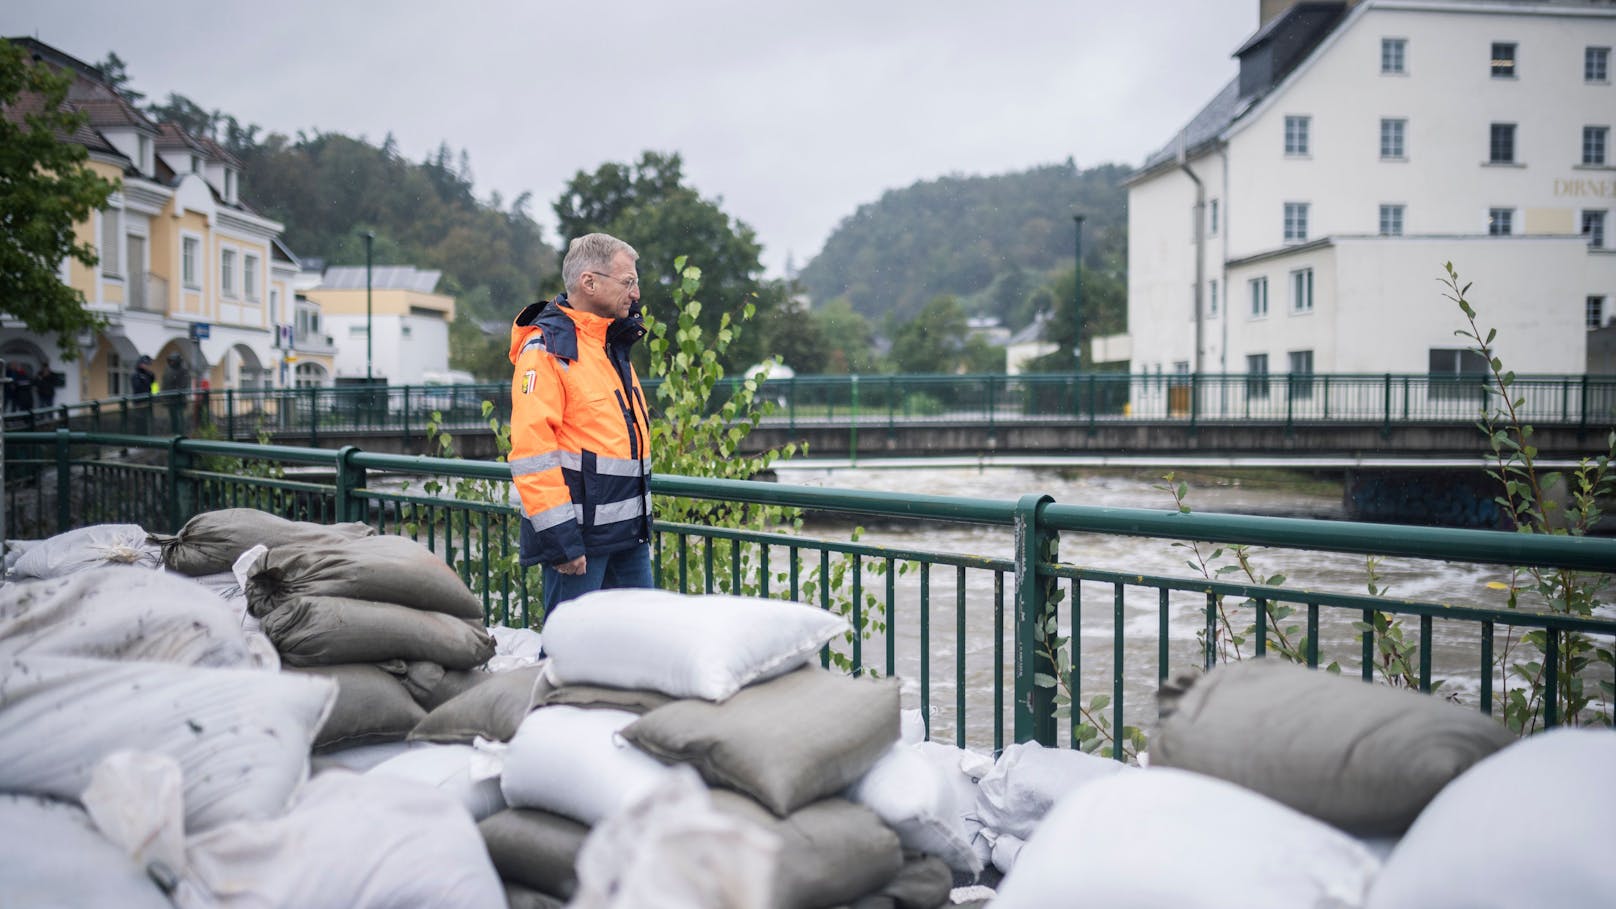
(1033, 331)
(173, 136)
(1205, 127)
(219, 152)
(382, 277)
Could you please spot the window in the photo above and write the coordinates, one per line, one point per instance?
(1392, 131)
(1501, 144)
(111, 220)
(1596, 312)
(1296, 135)
(1302, 290)
(1295, 221)
(1503, 61)
(196, 164)
(227, 272)
(1593, 227)
(117, 375)
(1500, 222)
(1593, 144)
(1391, 220)
(1393, 52)
(230, 186)
(1596, 64)
(1301, 378)
(144, 146)
(249, 276)
(1256, 375)
(358, 329)
(1456, 373)
(1212, 218)
(1259, 297)
(1212, 298)
(190, 248)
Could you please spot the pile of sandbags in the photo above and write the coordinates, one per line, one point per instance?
(1273, 785)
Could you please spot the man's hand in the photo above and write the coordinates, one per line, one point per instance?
(576, 566)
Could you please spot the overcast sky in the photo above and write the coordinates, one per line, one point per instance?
(792, 113)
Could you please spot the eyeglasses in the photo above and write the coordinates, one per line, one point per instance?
(628, 283)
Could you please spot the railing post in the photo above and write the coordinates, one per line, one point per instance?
(1035, 703)
(95, 415)
(350, 507)
(181, 489)
(1195, 400)
(1290, 404)
(406, 415)
(64, 483)
(1582, 424)
(1386, 425)
(314, 416)
(1090, 381)
(791, 403)
(852, 428)
(230, 414)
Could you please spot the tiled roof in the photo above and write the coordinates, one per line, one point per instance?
(382, 277)
(172, 136)
(1205, 126)
(83, 135)
(219, 152)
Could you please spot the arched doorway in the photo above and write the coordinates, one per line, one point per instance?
(23, 358)
(241, 369)
(312, 375)
(109, 369)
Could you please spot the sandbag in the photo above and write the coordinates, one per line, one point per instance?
(493, 709)
(913, 797)
(121, 613)
(429, 683)
(1366, 758)
(385, 569)
(570, 762)
(52, 855)
(1162, 837)
(601, 697)
(349, 842)
(96, 546)
(241, 736)
(831, 852)
(323, 631)
(683, 646)
(785, 742)
(520, 897)
(470, 775)
(924, 882)
(210, 542)
(1028, 779)
(535, 848)
(358, 758)
(1550, 796)
(371, 707)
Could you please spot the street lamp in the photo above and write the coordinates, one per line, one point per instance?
(1077, 298)
(370, 238)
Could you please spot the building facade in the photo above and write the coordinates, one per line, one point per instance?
(407, 324)
(1301, 221)
(186, 267)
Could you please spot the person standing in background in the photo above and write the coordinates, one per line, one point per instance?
(142, 381)
(47, 381)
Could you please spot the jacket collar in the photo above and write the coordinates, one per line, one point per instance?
(561, 324)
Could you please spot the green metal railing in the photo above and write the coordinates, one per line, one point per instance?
(993, 617)
(1387, 400)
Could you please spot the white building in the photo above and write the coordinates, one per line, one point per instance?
(1300, 222)
(407, 325)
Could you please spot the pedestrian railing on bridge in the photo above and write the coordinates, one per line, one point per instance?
(1031, 618)
(1388, 400)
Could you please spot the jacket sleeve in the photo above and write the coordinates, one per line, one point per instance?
(538, 400)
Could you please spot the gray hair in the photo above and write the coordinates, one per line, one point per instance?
(591, 252)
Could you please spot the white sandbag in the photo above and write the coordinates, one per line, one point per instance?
(1549, 797)
(912, 724)
(1028, 779)
(95, 546)
(136, 799)
(570, 761)
(349, 842)
(1164, 837)
(518, 646)
(121, 613)
(14, 551)
(469, 773)
(962, 770)
(670, 848)
(1006, 849)
(913, 797)
(51, 855)
(683, 646)
(359, 758)
(241, 736)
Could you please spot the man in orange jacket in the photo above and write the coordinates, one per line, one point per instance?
(580, 429)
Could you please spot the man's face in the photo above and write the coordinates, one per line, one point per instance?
(613, 293)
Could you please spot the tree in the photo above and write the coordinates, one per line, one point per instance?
(648, 206)
(46, 190)
(115, 72)
(937, 340)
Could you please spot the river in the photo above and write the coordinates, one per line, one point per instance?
(1455, 659)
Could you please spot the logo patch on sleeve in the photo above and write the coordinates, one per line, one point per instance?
(527, 381)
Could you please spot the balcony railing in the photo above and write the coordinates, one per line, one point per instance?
(147, 293)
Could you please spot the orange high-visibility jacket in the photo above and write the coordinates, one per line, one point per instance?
(580, 456)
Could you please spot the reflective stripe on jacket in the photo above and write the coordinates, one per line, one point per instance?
(579, 434)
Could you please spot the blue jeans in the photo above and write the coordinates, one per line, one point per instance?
(626, 568)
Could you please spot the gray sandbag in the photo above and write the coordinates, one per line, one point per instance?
(492, 710)
(831, 851)
(924, 882)
(387, 569)
(96, 546)
(600, 697)
(371, 707)
(211, 542)
(328, 630)
(519, 897)
(785, 742)
(431, 684)
(121, 613)
(535, 848)
(1366, 758)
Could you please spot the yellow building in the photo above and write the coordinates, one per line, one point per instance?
(186, 269)
(407, 325)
